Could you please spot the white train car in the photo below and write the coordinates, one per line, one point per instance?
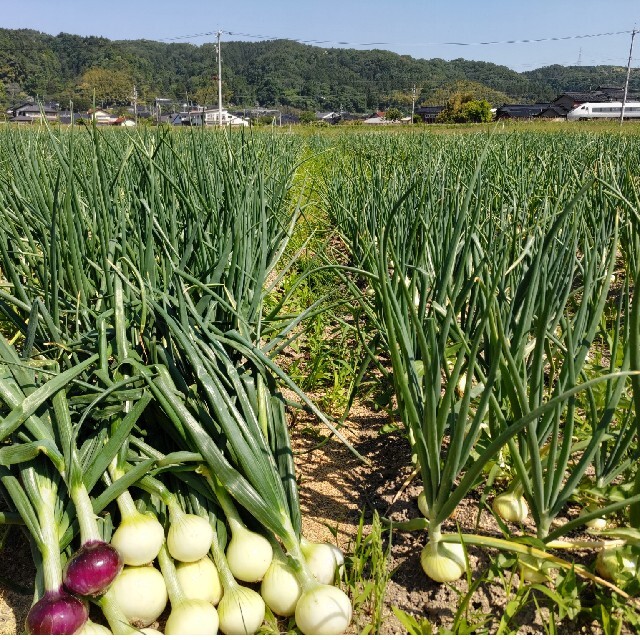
(598, 110)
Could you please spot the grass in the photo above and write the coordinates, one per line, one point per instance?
(367, 574)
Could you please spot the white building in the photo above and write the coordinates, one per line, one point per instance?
(211, 117)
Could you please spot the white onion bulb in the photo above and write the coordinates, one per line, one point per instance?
(189, 537)
(150, 632)
(141, 594)
(200, 580)
(443, 561)
(90, 628)
(422, 505)
(192, 618)
(339, 556)
(323, 610)
(610, 562)
(510, 507)
(241, 611)
(138, 539)
(280, 589)
(320, 560)
(595, 523)
(248, 554)
(531, 570)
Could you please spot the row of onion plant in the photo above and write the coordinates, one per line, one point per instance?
(137, 267)
(486, 287)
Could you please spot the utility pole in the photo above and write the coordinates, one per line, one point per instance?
(218, 35)
(413, 101)
(135, 104)
(626, 83)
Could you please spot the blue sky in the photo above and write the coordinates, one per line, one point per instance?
(419, 28)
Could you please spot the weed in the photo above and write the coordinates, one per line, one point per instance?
(367, 575)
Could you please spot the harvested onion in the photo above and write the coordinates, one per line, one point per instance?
(141, 594)
(249, 554)
(323, 610)
(321, 560)
(280, 588)
(200, 580)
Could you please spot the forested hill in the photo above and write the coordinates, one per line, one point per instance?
(278, 72)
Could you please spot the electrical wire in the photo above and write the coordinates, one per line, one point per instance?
(404, 44)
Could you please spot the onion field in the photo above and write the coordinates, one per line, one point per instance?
(193, 324)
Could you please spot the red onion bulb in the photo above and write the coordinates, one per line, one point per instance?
(92, 568)
(57, 613)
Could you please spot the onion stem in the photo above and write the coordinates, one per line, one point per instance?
(9, 517)
(168, 569)
(226, 577)
(126, 505)
(223, 498)
(115, 617)
(49, 549)
(125, 501)
(84, 512)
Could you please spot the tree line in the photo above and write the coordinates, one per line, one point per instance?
(277, 73)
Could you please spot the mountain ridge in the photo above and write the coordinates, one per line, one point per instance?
(272, 73)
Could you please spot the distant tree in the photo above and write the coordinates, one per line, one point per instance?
(477, 111)
(462, 107)
(307, 117)
(393, 114)
(470, 90)
(113, 88)
(4, 100)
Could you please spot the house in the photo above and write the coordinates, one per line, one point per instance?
(101, 117)
(331, 117)
(428, 114)
(376, 118)
(211, 117)
(553, 112)
(30, 112)
(141, 112)
(163, 105)
(520, 111)
(123, 122)
(69, 117)
(180, 119)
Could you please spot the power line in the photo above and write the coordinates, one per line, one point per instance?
(404, 44)
(432, 44)
(193, 36)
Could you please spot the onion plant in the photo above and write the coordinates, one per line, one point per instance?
(504, 289)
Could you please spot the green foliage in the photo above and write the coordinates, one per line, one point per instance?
(474, 90)
(367, 575)
(393, 114)
(307, 117)
(477, 111)
(462, 107)
(108, 87)
(413, 626)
